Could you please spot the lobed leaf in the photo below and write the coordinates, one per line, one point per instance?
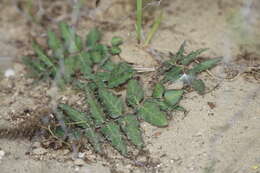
(95, 109)
(80, 118)
(94, 139)
(113, 104)
(131, 127)
(134, 93)
(72, 41)
(120, 74)
(151, 113)
(112, 132)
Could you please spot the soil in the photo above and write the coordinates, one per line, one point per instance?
(220, 132)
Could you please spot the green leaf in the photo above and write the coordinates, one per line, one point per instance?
(131, 127)
(192, 56)
(205, 65)
(80, 118)
(135, 93)
(72, 41)
(179, 55)
(162, 105)
(95, 108)
(35, 66)
(69, 68)
(198, 85)
(174, 74)
(94, 139)
(115, 50)
(172, 97)
(158, 90)
(96, 57)
(42, 56)
(113, 104)
(151, 113)
(112, 132)
(53, 41)
(87, 58)
(109, 65)
(103, 76)
(116, 41)
(93, 37)
(120, 74)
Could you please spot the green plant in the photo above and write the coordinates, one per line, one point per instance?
(139, 16)
(110, 116)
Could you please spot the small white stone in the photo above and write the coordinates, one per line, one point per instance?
(9, 72)
(79, 162)
(2, 154)
(40, 151)
(81, 155)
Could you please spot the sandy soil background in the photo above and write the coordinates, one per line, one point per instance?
(219, 134)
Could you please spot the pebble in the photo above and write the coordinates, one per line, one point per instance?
(39, 151)
(79, 162)
(2, 154)
(36, 145)
(81, 155)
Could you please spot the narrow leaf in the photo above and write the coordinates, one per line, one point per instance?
(93, 37)
(54, 43)
(112, 132)
(72, 41)
(42, 56)
(205, 65)
(179, 55)
(151, 113)
(192, 56)
(135, 93)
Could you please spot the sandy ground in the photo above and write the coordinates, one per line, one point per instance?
(223, 138)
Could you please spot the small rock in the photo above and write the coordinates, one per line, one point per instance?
(2, 154)
(79, 162)
(65, 152)
(39, 151)
(81, 155)
(36, 145)
(142, 159)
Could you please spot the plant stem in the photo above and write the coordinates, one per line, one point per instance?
(139, 6)
(155, 27)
